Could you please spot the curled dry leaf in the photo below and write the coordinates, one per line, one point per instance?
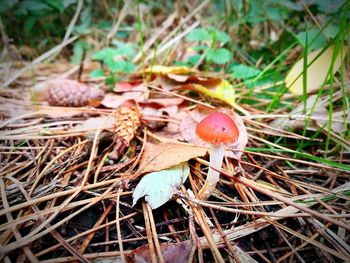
(189, 123)
(157, 157)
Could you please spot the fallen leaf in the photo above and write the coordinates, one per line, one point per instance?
(223, 91)
(157, 157)
(164, 102)
(159, 69)
(172, 252)
(189, 123)
(317, 71)
(172, 129)
(123, 86)
(137, 94)
(153, 113)
(158, 187)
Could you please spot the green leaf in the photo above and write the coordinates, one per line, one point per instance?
(263, 11)
(329, 7)
(193, 60)
(129, 67)
(331, 30)
(244, 72)
(198, 34)
(29, 23)
(67, 3)
(158, 187)
(78, 50)
(200, 48)
(218, 56)
(97, 73)
(85, 21)
(315, 38)
(56, 4)
(31, 5)
(125, 49)
(105, 54)
(6, 5)
(219, 35)
(116, 66)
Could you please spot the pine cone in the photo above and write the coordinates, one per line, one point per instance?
(127, 120)
(71, 93)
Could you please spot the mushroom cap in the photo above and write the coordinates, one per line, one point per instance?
(217, 128)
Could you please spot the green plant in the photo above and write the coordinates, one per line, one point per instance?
(116, 62)
(37, 19)
(211, 42)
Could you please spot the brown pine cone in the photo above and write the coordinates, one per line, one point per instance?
(71, 93)
(127, 120)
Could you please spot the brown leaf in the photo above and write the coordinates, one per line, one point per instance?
(189, 123)
(164, 102)
(114, 101)
(204, 81)
(172, 129)
(178, 252)
(123, 86)
(137, 94)
(157, 157)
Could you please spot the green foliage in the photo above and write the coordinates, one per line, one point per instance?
(329, 7)
(6, 5)
(241, 71)
(198, 34)
(125, 49)
(117, 60)
(217, 35)
(36, 22)
(78, 49)
(260, 11)
(211, 41)
(97, 73)
(317, 38)
(218, 55)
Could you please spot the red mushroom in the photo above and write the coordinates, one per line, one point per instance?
(219, 130)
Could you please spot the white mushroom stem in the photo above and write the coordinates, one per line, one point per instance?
(216, 156)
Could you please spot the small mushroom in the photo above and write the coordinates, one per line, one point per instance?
(219, 130)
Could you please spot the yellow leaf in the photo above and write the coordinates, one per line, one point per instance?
(223, 91)
(317, 70)
(164, 70)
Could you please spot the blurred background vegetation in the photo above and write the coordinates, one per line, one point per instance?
(252, 41)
